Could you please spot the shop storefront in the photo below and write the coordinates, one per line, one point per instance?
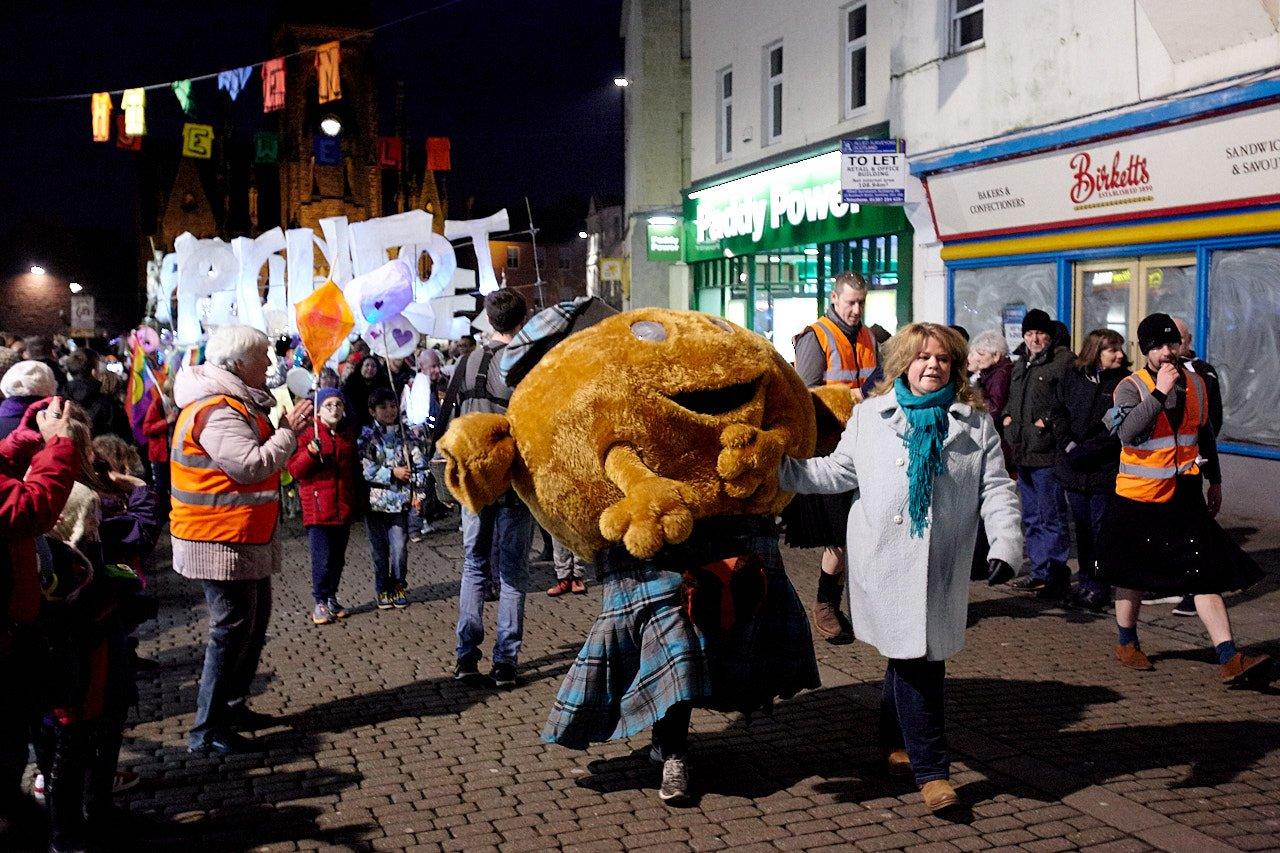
(765, 247)
(1175, 208)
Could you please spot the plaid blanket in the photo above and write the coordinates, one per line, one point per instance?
(643, 654)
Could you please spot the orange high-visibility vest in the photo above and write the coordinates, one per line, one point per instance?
(847, 364)
(1148, 470)
(209, 506)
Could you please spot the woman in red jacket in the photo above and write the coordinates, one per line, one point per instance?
(325, 467)
(157, 424)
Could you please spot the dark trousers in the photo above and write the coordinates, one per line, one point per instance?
(389, 548)
(160, 480)
(1087, 511)
(1045, 522)
(911, 716)
(328, 556)
(20, 672)
(671, 733)
(238, 615)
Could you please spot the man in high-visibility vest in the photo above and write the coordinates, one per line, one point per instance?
(836, 349)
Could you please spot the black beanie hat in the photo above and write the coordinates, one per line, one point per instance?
(1037, 321)
(1155, 330)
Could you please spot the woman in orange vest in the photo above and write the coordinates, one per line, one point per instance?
(1159, 535)
(225, 465)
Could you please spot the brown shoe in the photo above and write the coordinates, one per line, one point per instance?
(1242, 668)
(578, 587)
(1131, 656)
(832, 624)
(898, 763)
(560, 588)
(939, 795)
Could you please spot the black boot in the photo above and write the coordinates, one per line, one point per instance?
(64, 789)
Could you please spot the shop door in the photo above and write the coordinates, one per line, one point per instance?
(1118, 292)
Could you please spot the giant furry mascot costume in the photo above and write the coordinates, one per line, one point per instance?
(650, 442)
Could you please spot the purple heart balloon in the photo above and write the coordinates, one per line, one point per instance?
(401, 336)
(386, 291)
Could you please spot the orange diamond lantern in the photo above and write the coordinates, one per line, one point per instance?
(324, 321)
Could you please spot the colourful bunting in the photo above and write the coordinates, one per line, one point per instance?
(273, 85)
(134, 104)
(125, 140)
(266, 147)
(182, 91)
(327, 150)
(233, 81)
(197, 141)
(438, 154)
(328, 57)
(390, 152)
(101, 109)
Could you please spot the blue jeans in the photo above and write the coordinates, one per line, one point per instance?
(389, 546)
(496, 538)
(911, 716)
(1087, 510)
(328, 556)
(1045, 524)
(238, 615)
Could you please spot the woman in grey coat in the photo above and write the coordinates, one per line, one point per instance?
(925, 459)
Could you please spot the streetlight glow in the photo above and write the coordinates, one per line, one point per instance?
(582, 235)
(662, 220)
(75, 287)
(621, 82)
(330, 125)
(37, 270)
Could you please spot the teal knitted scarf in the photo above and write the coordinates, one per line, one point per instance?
(927, 429)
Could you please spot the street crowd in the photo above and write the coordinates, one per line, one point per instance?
(961, 458)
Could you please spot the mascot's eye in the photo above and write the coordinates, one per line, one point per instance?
(723, 325)
(647, 330)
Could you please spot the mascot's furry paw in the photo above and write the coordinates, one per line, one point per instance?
(479, 452)
(654, 513)
(832, 408)
(748, 462)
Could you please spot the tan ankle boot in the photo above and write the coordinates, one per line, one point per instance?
(939, 795)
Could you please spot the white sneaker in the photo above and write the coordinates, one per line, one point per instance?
(675, 782)
(1167, 599)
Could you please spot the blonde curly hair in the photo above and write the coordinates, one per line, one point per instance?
(901, 349)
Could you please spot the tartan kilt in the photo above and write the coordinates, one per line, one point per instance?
(644, 654)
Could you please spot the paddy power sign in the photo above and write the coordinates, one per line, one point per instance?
(789, 205)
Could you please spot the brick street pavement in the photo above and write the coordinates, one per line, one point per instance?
(1056, 747)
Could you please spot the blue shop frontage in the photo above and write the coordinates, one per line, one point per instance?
(1171, 207)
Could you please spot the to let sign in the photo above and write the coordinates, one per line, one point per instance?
(873, 171)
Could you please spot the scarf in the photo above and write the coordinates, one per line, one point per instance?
(926, 430)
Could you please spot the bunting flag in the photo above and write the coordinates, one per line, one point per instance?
(327, 150)
(233, 81)
(134, 104)
(273, 85)
(197, 141)
(266, 147)
(328, 57)
(438, 154)
(124, 139)
(101, 109)
(139, 391)
(182, 91)
(390, 152)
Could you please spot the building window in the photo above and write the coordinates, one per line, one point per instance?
(1243, 344)
(513, 257)
(773, 93)
(855, 58)
(724, 117)
(966, 24)
(686, 28)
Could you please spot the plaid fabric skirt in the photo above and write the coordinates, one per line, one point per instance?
(644, 654)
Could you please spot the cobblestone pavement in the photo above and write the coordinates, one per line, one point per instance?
(1055, 746)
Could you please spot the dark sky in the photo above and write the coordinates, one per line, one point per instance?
(523, 87)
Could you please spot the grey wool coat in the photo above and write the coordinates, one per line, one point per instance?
(910, 597)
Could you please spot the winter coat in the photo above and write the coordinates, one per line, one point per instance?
(131, 522)
(156, 427)
(1086, 454)
(105, 413)
(12, 410)
(29, 505)
(1033, 395)
(909, 597)
(381, 450)
(327, 485)
(233, 444)
(993, 382)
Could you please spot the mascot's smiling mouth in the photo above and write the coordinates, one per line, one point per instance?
(718, 401)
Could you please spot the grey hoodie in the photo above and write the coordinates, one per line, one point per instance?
(233, 443)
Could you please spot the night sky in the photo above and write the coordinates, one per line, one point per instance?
(523, 87)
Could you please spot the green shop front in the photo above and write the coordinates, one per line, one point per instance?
(764, 247)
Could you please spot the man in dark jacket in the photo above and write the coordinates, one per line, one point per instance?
(106, 413)
(1187, 355)
(1028, 428)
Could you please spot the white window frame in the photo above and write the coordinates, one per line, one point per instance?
(724, 114)
(516, 265)
(773, 82)
(851, 47)
(953, 26)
